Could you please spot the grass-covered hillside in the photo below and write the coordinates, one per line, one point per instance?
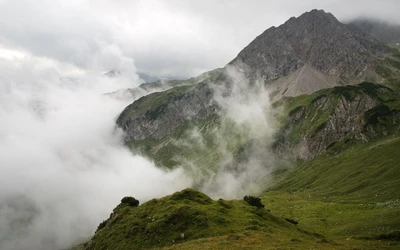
(186, 217)
(290, 220)
(355, 193)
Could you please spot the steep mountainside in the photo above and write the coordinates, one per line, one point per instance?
(330, 119)
(157, 115)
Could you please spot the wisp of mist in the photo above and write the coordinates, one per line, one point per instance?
(233, 155)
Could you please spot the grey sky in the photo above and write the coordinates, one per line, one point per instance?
(174, 37)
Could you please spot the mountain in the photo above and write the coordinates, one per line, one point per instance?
(305, 54)
(307, 116)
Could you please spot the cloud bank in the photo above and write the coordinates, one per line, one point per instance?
(63, 166)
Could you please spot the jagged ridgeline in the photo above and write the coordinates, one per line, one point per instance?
(319, 94)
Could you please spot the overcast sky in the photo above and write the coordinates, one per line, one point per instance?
(163, 38)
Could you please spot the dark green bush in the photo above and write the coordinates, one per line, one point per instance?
(253, 201)
(130, 201)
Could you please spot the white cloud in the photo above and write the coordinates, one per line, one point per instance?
(63, 166)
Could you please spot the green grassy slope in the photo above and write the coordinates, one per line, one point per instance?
(189, 215)
(222, 224)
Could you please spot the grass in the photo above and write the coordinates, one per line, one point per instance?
(353, 194)
(362, 171)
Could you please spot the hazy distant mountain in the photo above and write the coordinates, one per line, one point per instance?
(383, 31)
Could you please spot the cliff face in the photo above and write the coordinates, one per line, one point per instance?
(316, 39)
(335, 117)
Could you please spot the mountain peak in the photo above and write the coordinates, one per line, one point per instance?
(316, 41)
(313, 16)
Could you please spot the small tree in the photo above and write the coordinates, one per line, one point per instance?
(130, 201)
(253, 201)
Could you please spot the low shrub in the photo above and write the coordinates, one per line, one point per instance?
(253, 201)
(130, 201)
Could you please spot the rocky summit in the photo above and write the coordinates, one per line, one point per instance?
(310, 52)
